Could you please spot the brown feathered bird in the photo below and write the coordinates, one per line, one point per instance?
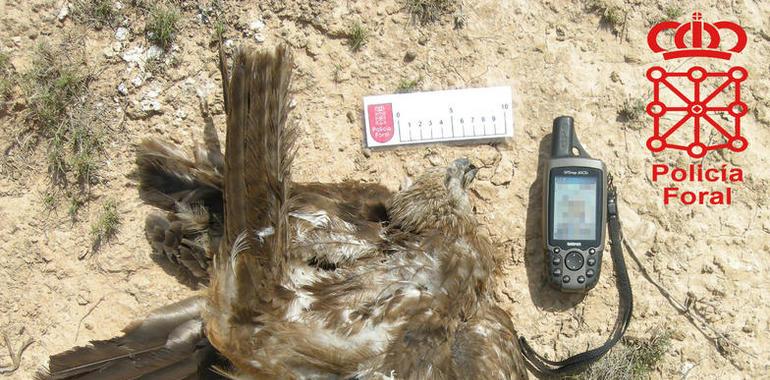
(309, 281)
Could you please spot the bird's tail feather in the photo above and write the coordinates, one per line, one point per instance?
(258, 156)
(168, 344)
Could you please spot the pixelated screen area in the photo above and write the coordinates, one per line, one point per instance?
(574, 208)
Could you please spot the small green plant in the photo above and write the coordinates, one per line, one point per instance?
(612, 16)
(98, 13)
(84, 160)
(56, 87)
(162, 24)
(633, 358)
(106, 225)
(615, 17)
(632, 109)
(219, 30)
(673, 12)
(49, 201)
(427, 11)
(74, 207)
(338, 73)
(6, 77)
(409, 85)
(53, 84)
(155, 65)
(357, 36)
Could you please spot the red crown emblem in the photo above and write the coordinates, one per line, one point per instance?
(697, 29)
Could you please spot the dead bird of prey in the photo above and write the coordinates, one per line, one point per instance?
(312, 282)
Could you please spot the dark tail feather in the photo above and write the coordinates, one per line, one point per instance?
(168, 342)
(259, 151)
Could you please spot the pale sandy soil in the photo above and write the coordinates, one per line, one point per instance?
(557, 57)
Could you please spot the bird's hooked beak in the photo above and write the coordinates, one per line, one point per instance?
(470, 175)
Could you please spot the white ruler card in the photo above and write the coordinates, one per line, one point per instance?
(439, 116)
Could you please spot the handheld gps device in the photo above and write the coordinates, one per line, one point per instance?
(575, 211)
(580, 199)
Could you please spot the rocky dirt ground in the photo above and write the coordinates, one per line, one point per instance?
(585, 59)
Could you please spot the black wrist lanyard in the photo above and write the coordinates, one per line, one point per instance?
(543, 367)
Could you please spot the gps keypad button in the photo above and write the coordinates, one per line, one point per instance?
(573, 260)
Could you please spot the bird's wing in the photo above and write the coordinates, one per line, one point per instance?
(168, 175)
(185, 237)
(487, 344)
(168, 344)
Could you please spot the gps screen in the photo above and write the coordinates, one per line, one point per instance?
(574, 208)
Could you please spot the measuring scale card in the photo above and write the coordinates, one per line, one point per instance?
(438, 116)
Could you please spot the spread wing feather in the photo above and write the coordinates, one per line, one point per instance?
(168, 343)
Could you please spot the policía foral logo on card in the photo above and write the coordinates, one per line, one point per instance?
(381, 122)
(695, 110)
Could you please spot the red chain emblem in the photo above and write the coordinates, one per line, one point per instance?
(700, 105)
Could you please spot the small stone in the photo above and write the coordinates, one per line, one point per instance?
(614, 76)
(137, 81)
(257, 25)
(488, 155)
(485, 190)
(108, 52)
(83, 297)
(46, 255)
(434, 159)
(146, 108)
(678, 335)
(351, 117)
(410, 56)
(63, 13)
(561, 34)
(88, 326)
(122, 89)
(150, 105)
(153, 52)
(422, 40)
(133, 56)
(503, 173)
(686, 368)
(121, 34)
(631, 59)
(367, 152)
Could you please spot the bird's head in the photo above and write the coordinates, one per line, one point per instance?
(436, 200)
